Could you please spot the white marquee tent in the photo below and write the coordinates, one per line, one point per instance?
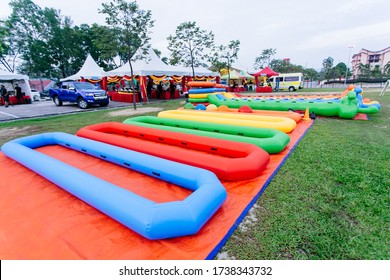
(153, 65)
(89, 70)
(9, 80)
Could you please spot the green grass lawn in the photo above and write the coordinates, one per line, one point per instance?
(330, 200)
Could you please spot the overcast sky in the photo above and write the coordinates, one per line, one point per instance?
(306, 31)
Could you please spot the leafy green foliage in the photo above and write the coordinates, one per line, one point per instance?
(285, 66)
(342, 69)
(190, 45)
(330, 72)
(132, 24)
(264, 58)
(327, 63)
(376, 72)
(364, 70)
(224, 56)
(386, 68)
(310, 74)
(50, 45)
(6, 47)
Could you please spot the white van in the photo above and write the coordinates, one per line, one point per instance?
(289, 81)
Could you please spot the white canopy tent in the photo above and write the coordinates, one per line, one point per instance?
(153, 65)
(89, 70)
(9, 80)
(202, 71)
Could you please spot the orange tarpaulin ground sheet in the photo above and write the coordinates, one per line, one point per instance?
(39, 220)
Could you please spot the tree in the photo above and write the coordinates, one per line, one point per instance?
(7, 57)
(224, 56)
(64, 53)
(22, 26)
(285, 66)
(364, 70)
(334, 73)
(189, 44)
(133, 25)
(386, 69)
(376, 72)
(49, 45)
(99, 41)
(342, 69)
(264, 58)
(327, 65)
(38, 36)
(310, 74)
(3, 34)
(29, 28)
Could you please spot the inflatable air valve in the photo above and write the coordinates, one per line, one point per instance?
(245, 109)
(223, 108)
(189, 106)
(200, 107)
(211, 107)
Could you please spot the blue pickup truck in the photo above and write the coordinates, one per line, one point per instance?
(82, 93)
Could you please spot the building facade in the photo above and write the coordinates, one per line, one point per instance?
(372, 58)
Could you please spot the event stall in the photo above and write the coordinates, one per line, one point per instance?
(265, 73)
(9, 80)
(241, 76)
(152, 68)
(149, 69)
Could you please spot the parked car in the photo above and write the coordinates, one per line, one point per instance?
(35, 96)
(82, 93)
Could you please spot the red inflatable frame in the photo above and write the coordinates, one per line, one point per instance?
(229, 160)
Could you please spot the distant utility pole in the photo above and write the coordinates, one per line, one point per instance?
(346, 71)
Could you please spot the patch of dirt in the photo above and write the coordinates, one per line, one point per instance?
(130, 112)
(250, 219)
(224, 256)
(7, 134)
(380, 126)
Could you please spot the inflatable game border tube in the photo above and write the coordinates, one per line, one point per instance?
(285, 114)
(346, 108)
(199, 100)
(205, 90)
(237, 161)
(198, 96)
(291, 115)
(148, 218)
(271, 140)
(283, 124)
(201, 84)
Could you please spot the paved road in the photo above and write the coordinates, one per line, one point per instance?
(47, 108)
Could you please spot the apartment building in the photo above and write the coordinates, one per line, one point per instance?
(372, 58)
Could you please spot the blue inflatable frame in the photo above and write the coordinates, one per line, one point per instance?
(148, 218)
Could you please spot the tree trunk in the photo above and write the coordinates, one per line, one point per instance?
(228, 68)
(193, 71)
(41, 82)
(132, 82)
